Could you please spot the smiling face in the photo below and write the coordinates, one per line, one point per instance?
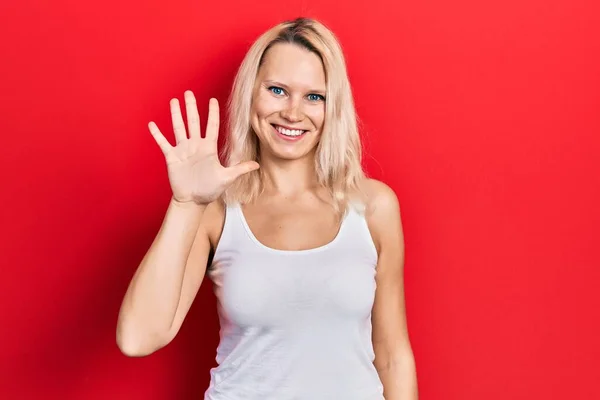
(289, 93)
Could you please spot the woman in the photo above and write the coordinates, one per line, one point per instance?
(305, 253)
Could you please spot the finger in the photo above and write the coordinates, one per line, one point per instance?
(236, 171)
(178, 126)
(193, 118)
(163, 143)
(212, 125)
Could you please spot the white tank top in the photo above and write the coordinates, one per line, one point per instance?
(295, 325)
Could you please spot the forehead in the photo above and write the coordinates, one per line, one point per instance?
(294, 66)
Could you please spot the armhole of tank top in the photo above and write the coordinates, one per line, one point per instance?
(366, 233)
(224, 238)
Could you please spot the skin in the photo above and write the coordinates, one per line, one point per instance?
(292, 213)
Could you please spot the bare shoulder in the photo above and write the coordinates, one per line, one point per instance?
(382, 211)
(381, 199)
(213, 220)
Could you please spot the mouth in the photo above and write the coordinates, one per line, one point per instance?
(289, 134)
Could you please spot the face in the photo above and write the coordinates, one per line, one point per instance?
(288, 104)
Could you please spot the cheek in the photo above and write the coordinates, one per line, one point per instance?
(317, 116)
(264, 106)
(261, 109)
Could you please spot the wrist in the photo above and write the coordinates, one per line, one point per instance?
(186, 205)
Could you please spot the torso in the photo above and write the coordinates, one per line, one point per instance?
(295, 285)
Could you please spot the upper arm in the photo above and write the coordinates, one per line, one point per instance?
(196, 265)
(390, 333)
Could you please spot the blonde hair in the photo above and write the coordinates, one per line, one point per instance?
(338, 154)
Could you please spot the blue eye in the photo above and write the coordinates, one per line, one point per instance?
(274, 88)
(318, 97)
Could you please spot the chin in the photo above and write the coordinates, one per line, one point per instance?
(290, 154)
(290, 151)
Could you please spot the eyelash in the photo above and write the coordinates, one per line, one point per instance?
(321, 97)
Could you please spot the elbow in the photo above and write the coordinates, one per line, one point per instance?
(133, 345)
(132, 349)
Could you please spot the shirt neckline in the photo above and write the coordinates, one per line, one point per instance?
(325, 246)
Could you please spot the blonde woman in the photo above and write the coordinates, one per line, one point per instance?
(305, 253)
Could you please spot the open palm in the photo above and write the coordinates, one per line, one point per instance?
(195, 172)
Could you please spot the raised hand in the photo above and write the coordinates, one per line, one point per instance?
(195, 172)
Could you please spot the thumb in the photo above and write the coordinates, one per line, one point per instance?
(242, 168)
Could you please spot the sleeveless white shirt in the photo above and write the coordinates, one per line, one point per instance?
(295, 325)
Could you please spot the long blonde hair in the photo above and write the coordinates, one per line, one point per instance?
(338, 154)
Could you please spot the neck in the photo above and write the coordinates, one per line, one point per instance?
(288, 178)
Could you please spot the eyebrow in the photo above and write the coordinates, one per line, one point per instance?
(277, 83)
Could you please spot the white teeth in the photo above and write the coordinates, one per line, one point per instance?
(289, 132)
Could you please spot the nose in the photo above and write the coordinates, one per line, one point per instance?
(293, 111)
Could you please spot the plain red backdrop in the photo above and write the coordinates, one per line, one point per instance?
(482, 116)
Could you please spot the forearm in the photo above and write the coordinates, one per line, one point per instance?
(152, 297)
(399, 379)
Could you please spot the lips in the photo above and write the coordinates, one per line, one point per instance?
(288, 138)
(288, 127)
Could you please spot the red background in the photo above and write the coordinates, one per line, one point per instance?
(483, 117)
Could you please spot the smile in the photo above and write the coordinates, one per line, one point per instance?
(288, 134)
